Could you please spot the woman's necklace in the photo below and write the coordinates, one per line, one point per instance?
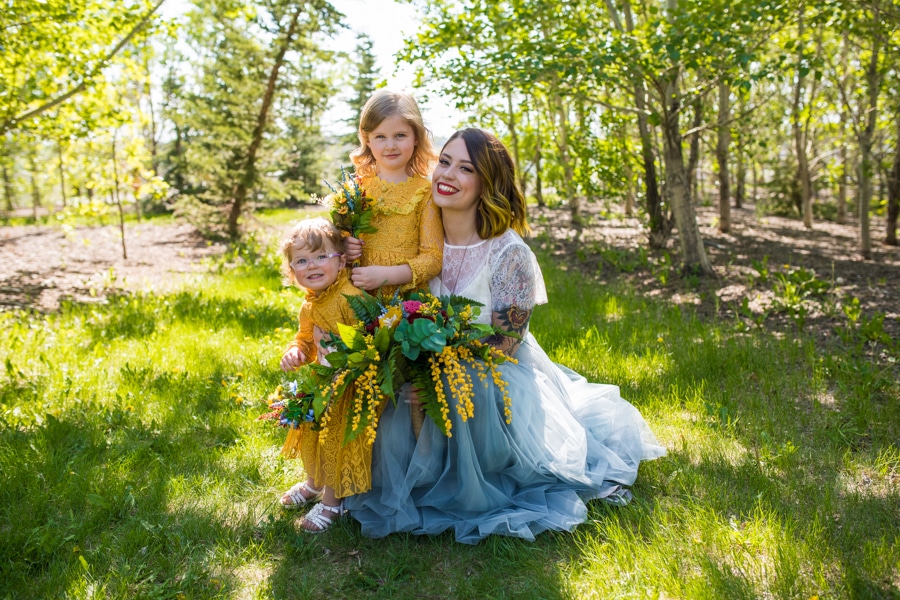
(459, 266)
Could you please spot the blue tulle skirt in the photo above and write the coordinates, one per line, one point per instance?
(569, 441)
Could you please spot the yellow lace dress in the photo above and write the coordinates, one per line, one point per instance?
(328, 461)
(409, 232)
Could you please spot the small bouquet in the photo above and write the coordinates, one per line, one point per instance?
(350, 206)
(294, 402)
(415, 340)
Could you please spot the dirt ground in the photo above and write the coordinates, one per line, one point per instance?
(828, 249)
(40, 265)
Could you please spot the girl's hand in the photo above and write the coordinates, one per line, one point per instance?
(370, 278)
(292, 359)
(353, 248)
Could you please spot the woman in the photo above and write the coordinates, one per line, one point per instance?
(569, 441)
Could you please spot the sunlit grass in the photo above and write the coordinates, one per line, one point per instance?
(131, 463)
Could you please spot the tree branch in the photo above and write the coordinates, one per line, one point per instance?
(12, 123)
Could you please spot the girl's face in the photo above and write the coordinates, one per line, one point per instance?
(392, 144)
(455, 186)
(316, 270)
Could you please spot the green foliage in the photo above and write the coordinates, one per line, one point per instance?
(237, 140)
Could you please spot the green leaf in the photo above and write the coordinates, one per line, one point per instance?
(382, 339)
(352, 337)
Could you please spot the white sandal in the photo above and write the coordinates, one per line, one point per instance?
(318, 518)
(296, 497)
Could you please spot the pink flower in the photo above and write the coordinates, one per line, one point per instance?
(411, 307)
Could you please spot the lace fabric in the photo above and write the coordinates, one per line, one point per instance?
(499, 272)
(409, 229)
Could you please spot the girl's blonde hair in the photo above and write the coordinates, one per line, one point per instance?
(384, 104)
(502, 204)
(313, 234)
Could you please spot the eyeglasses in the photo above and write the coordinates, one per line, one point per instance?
(302, 263)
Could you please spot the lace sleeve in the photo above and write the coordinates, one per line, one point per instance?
(427, 263)
(516, 279)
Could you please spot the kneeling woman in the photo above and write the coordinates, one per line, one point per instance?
(568, 441)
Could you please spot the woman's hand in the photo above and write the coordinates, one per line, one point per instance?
(353, 248)
(292, 359)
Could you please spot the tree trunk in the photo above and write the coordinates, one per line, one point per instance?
(740, 192)
(7, 187)
(694, 152)
(116, 197)
(538, 189)
(800, 134)
(514, 136)
(693, 253)
(755, 170)
(62, 174)
(249, 176)
(893, 207)
(660, 223)
(842, 185)
(866, 139)
(35, 190)
(562, 143)
(629, 188)
(722, 140)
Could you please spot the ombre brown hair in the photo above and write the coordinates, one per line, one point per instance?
(502, 204)
(384, 104)
(312, 234)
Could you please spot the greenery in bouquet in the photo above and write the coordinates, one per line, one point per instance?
(350, 206)
(414, 340)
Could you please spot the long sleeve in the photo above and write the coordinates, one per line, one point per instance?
(304, 340)
(427, 264)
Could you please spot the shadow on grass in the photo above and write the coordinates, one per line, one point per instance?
(135, 316)
(99, 498)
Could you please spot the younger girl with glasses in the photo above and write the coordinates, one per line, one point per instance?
(312, 260)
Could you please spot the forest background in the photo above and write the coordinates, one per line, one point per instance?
(736, 158)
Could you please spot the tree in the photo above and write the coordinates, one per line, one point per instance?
(55, 49)
(869, 33)
(244, 74)
(364, 78)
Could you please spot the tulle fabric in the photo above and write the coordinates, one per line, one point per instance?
(569, 441)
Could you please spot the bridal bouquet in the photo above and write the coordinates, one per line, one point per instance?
(414, 340)
(350, 206)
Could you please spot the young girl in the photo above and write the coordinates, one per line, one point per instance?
(394, 159)
(313, 260)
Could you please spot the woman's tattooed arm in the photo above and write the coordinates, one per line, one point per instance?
(514, 320)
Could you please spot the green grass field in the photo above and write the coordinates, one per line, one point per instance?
(132, 466)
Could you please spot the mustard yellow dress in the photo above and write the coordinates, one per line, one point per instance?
(328, 461)
(409, 232)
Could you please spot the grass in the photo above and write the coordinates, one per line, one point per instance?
(131, 464)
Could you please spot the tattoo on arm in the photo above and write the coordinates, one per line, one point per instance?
(514, 320)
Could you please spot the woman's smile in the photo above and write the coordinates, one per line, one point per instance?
(446, 189)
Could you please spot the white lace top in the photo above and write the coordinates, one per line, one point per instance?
(499, 273)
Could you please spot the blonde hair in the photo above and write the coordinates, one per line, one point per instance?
(382, 105)
(313, 234)
(502, 204)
